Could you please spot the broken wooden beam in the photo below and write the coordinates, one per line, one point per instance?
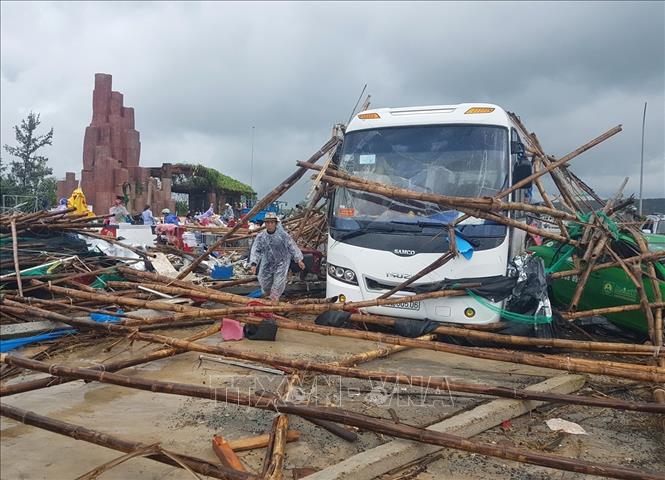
(376, 461)
(385, 427)
(226, 454)
(259, 441)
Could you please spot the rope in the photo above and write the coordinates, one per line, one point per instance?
(512, 316)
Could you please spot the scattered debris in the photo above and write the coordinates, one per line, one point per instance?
(561, 425)
(68, 281)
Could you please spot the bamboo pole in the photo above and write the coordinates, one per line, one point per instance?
(548, 168)
(70, 306)
(308, 211)
(226, 455)
(470, 211)
(547, 200)
(594, 248)
(17, 268)
(364, 357)
(645, 257)
(342, 416)
(657, 338)
(541, 157)
(644, 301)
(79, 432)
(192, 312)
(339, 178)
(522, 341)
(442, 260)
(274, 459)
(6, 390)
(259, 441)
(273, 195)
(562, 161)
(635, 372)
(605, 310)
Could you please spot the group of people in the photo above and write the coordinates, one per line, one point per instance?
(271, 254)
(167, 217)
(122, 215)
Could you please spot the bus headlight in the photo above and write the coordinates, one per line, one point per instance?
(469, 312)
(342, 274)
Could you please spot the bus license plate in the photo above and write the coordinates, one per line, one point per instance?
(405, 305)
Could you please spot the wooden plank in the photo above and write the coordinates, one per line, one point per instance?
(260, 441)
(377, 461)
(163, 266)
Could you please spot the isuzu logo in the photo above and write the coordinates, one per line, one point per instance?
(404, 253)
(401, 276)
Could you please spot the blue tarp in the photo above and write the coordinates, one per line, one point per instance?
(7, 345)
(464, 247)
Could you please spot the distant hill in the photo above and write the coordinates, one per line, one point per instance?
(652, 205)
(649, 205)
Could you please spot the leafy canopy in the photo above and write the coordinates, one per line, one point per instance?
(209, 179)
(28, 172)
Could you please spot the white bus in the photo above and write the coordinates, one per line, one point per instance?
(375, 242)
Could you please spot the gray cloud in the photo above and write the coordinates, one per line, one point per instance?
(201, 74)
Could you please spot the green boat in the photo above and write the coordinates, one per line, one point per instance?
(608, 287)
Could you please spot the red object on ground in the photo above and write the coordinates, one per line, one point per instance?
(506, 425)
(108, 231)
(256, 303)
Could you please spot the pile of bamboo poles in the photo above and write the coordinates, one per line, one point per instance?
(65, 297)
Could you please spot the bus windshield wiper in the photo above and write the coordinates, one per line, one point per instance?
(435, 223)
(421, 223)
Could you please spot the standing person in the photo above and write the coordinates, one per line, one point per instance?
(119, 211)
(169, 217)
(228, 213)
(189, 218)
(62, 205)
(148, 218)
(207, 214)
(273, 250)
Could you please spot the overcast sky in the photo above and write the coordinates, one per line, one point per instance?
(200, 75)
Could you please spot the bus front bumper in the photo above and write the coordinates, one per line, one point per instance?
(450, 309)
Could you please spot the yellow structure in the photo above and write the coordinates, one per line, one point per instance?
(77, 200)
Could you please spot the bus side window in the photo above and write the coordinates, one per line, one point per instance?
(517, 156)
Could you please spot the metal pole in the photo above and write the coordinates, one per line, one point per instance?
(251, 165)
(644, 117)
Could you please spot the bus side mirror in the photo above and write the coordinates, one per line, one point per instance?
(517, 148)
(521, 170)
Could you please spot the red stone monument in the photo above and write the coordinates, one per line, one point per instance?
(111, 151)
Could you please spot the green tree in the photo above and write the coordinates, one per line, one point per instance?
(29, 170)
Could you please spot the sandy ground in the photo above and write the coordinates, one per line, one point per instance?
(186, 425)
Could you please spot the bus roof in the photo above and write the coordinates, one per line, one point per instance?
(475, 113)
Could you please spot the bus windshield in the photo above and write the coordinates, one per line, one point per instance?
(454, 160)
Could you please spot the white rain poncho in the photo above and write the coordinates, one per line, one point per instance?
(228, 214)
(273, 253)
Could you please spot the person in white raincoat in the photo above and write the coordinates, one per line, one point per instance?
(272, 251)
